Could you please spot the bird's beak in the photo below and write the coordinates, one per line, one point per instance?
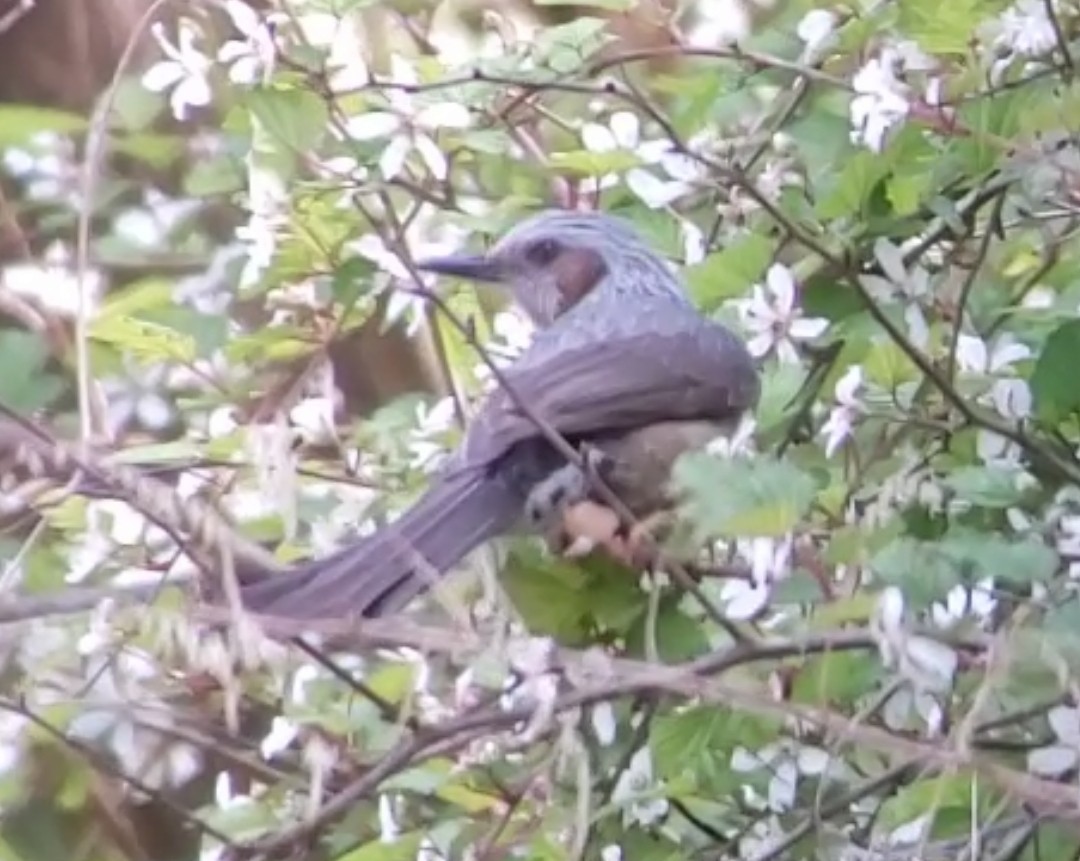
(474, 267)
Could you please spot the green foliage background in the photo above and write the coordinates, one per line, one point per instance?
(882, 651)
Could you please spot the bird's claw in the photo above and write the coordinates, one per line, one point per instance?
(565, 487)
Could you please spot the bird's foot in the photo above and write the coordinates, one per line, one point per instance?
(565, 487)
(587, 526)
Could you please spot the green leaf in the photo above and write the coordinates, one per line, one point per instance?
(1053, 381)
(943, 28)
(295, 118)
(549, 594)
(588, 163)
(20, 123)
(730, 272)
(24, 385)
(565, 47)
(989, 486)
(929, 796)
(850, 191)
(686, 740)
(835, 678)
(926, 570)
(742, 497)
(889, 366)
(678, 637)
(145, 340)
(404, 848)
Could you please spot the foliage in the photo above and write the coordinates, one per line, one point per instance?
(881, 198)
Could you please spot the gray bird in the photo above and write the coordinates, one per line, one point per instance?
(622, 362)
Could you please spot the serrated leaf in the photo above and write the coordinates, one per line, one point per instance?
(143, 339)
(731, 272)
(929, 796)
(1053, 380)
(889, 366)
(989, 486)
(943, 28)
(853, 186)
(297, 119)
(926, 570)
(835, 678)
(549, 594)
(687, 740)
(742, 497)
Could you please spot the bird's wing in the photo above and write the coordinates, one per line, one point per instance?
(700, 372)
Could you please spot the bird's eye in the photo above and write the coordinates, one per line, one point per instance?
(543, 252)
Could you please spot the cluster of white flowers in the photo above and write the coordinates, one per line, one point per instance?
(774, 320)
(1009, 394)
(623, 132)
(409, 125)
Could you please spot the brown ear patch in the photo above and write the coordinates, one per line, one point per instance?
(577, 271)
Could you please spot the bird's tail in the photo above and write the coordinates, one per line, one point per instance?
(380, 574)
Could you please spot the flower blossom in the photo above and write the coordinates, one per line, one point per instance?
(773, 318)
(1024, 28)
(623, 132)
(881, 102)
(410, 126)
(841, 419)
(252, 58)
(185, 71)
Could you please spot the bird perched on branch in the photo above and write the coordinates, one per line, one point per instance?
(622, 364)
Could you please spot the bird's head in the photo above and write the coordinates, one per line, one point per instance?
(555, 260)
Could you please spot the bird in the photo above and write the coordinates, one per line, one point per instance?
(622, 365)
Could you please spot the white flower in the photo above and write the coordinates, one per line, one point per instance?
(1056, 759)
(136, 400)
(388, 827)
(815, 30)
(409, 125)
(880, 102)
(11, 739)
(770, 561)
(634, 782)
(841, 419)
(53, 283)
(623, 132)
(604, 723)
(1026, 28)
(1009, 395)
(48, 168)
(345, 66)
(784, 761)
(977, 601)
(427, 447)
(252, 58)
(719, 22)
(693, 242)
(185, 71)
(776, 323)
(281, 735)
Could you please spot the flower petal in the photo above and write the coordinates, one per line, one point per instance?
(626, 129)
(393, 158)
(161, 76)
(372, 124)
(597, 138)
